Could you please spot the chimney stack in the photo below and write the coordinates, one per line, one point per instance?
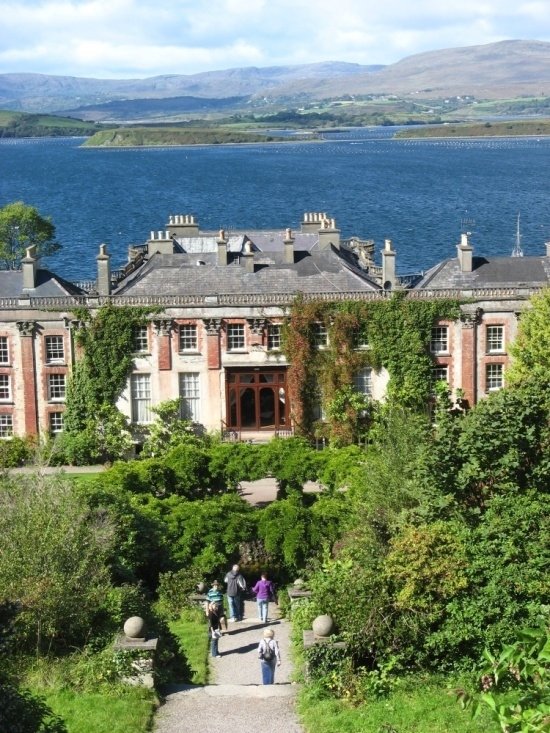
(328, 234)
(29, 267)
(103, 285)
(222, 249)
(182, 226)
(248, 256)
(312, 221)
(389, 279)
(160, 242)
(288, 242)
(465, 251)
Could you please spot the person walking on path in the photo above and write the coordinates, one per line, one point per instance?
(215, 595)
(236, 585)
(269, 656)
(264, 592)
(214, 628)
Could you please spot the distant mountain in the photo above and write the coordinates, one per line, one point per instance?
(41, 92)
(493, 71)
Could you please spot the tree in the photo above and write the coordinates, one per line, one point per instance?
(52, 551)
(22, 226)
(531, 350)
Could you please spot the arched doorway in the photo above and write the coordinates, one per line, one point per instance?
(257, 399)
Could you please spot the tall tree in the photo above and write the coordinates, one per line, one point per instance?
(22, 226)
(531, 350)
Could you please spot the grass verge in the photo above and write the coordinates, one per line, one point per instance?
(415, 706)
(190, 630)
(124, 710)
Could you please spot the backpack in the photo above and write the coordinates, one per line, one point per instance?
(268, 652)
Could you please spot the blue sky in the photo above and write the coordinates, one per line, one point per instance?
(140, 38)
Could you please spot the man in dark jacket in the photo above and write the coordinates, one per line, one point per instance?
(236, 585)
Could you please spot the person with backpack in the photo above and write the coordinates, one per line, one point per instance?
(269, 656)
(236, 585)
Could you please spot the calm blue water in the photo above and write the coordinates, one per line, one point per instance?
(414, 192)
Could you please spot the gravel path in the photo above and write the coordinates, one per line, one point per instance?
(236, 699)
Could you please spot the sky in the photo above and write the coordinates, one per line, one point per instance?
(121, 39)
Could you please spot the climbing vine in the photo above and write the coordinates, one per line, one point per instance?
(392, 333)
(106, 345)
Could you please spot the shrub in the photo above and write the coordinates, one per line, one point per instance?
(16, 452)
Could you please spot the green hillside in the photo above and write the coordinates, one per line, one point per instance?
(153, 136)
(510, 128)
(21, 124)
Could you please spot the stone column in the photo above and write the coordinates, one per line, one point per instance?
(469, 319)
(28, 371)
(164, 328)
(213, 352)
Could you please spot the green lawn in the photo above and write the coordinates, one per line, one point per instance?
(190, 630)
(127, 710)
(417, 707)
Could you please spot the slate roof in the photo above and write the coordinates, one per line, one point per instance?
(313, 271)
(490, 272)
(47, 285)
(265, 241)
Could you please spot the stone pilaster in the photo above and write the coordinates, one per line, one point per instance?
(28, 370)
(163, 328)
(213, 351)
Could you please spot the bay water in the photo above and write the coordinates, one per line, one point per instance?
(419, 193)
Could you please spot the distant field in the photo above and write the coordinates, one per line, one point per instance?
(19, 124)
(480, 129)
(152, 136)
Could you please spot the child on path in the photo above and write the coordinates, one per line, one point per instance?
(215, 595)
(214, 628)
(269, 656)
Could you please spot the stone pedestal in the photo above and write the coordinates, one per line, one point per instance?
(142, 653)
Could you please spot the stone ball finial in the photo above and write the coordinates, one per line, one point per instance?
(134, 627)
(298, 583)
(323, 626)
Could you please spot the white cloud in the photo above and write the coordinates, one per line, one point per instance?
(125, 38)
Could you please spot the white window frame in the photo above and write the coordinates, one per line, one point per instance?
(274, 336)
(362, 381)
(56, 422)
(141, 339)
(494, 336)
(494, 377)
(188, 337)
(57, 387)
(4, 350)
(320, 335)
(235, 337)
(190, 396)
(5, 388)
(6, 427)
(140, 396)
(439, 340)
(440, 373)
(54, 354)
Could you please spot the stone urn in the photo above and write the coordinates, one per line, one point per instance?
(134, 628)
(298, 583)
(323, 626)
(201, 587)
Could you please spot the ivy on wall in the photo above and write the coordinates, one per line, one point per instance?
(106, 343)
(397, 332)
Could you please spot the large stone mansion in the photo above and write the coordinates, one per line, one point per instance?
(223, 298)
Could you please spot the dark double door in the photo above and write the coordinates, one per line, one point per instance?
(257, 399)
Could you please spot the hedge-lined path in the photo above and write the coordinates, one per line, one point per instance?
(235, 699)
